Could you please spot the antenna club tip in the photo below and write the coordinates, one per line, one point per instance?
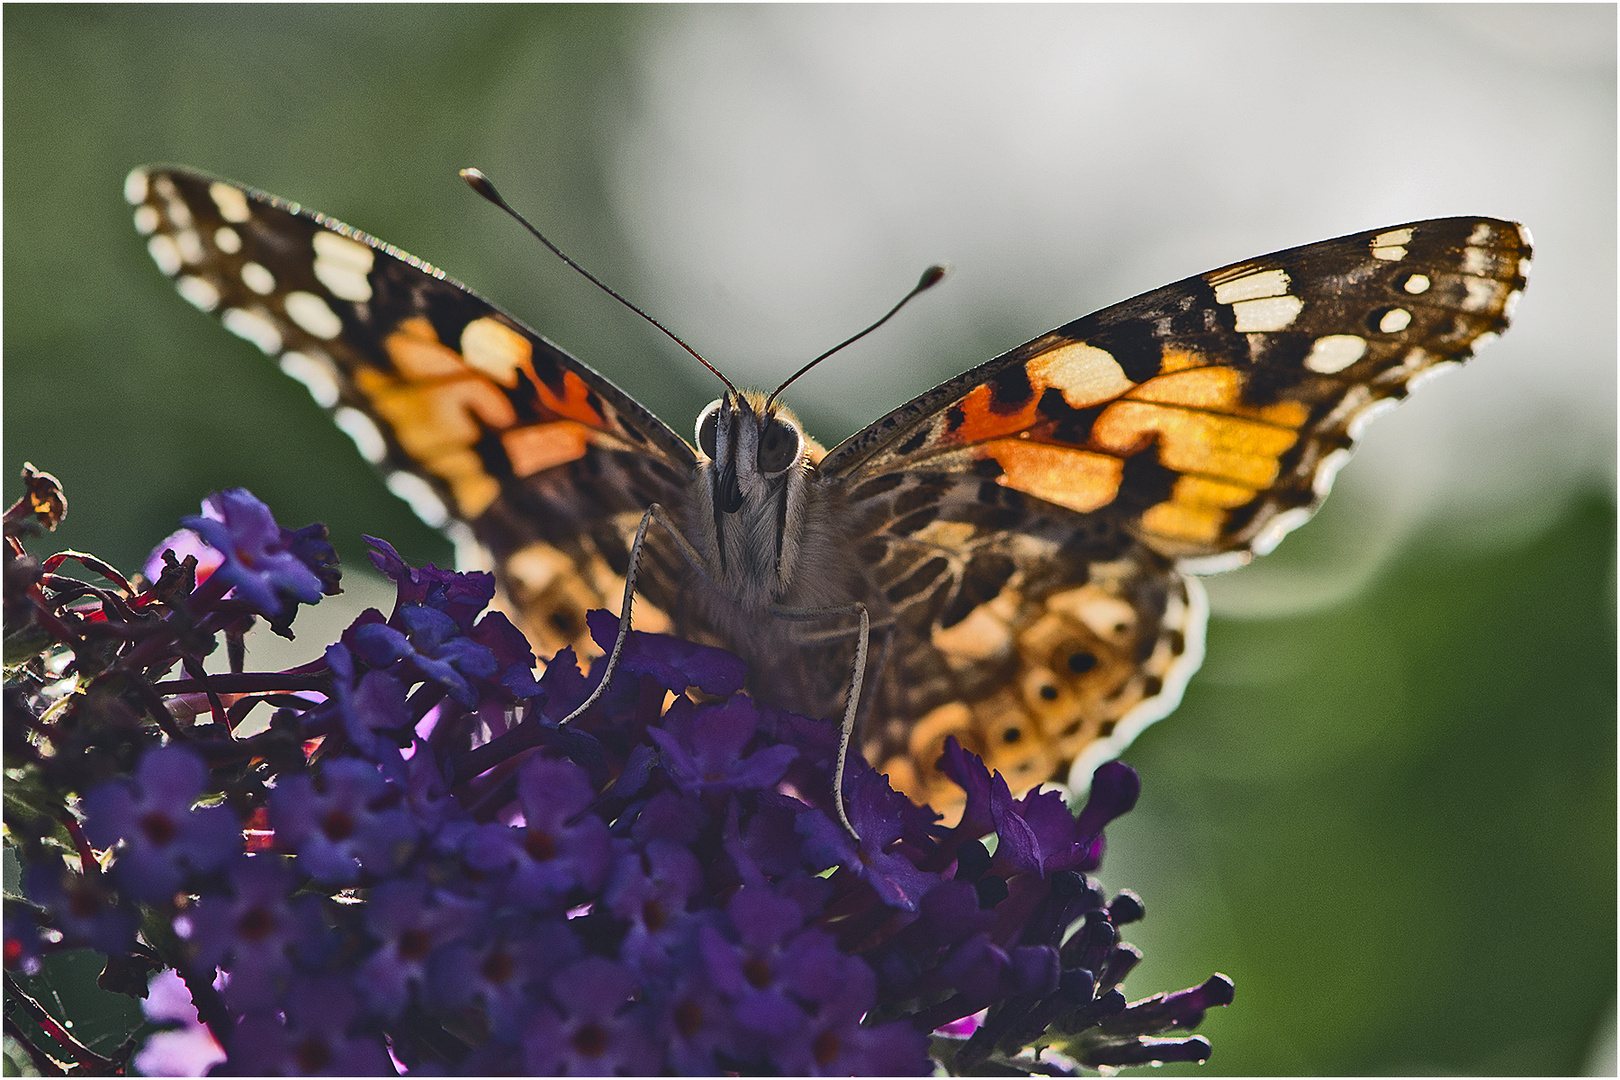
(932, 276)
(480, 183)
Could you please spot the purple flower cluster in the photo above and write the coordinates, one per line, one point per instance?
(415, 866)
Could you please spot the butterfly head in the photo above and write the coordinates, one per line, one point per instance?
(755, 449)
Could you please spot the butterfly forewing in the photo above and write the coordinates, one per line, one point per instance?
(1021, 533)
(474, 419)
(1201, 412)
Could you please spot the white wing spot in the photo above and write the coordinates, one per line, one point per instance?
(1524, 268)
(166, 253)
(342, 264)
(1328, 470)
(1335, 352)
(1279, 527)
(1252, 286)
(1271, 313)
(227, 240)
(1395, 320)
(198, 292)
(1415, 360)
(1481, 233)
(179, 212)
(233, 205)
(1358, 423)
(1479, 293)
(1511, 304)
(190, 244)
(1429, 374)
(363, 430)
(316, 376)
(1476, 261)
(164, 186)
(254, 327)
(1487, 338)
(1524, 234)
(1391, 246)
(136, 186)
(1417, 283)
(470, 554)
(147, 220)
(421, 497)
(1223, 563)
(258, 279)
(313, 314)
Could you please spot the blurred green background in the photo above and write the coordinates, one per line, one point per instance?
(1386, 807)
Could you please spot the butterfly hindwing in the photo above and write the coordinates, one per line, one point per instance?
(473, 418)
(1013, 510)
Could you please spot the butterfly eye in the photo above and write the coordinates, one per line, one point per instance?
(707, 426)
(778, 447)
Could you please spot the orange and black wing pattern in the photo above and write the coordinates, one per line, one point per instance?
(1030, 519)
(475, 420)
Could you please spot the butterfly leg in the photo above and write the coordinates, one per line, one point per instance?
(853, 703)
(653, 511)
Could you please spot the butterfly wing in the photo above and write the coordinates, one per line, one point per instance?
(1031, 518)
(488, 430)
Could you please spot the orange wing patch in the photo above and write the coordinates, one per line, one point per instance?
(437, 407)
(1006, 422)
(984, 417)
(1244, 451)
(1082, 374)
(439, 403)
(1077, 479)
(1204, 385)
(573, 403)
(1226, 450)
(541, 446)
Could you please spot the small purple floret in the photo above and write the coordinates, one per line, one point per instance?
(347, 823)
(264, 564)
(164, 840)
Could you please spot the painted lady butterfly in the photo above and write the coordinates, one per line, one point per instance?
(1020, 535)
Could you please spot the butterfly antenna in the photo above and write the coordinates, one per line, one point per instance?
(931, 277)
(480, 183)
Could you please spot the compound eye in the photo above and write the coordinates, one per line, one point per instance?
(708, 426)
(778, 447)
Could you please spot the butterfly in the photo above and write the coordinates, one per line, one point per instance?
(1021, 540)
